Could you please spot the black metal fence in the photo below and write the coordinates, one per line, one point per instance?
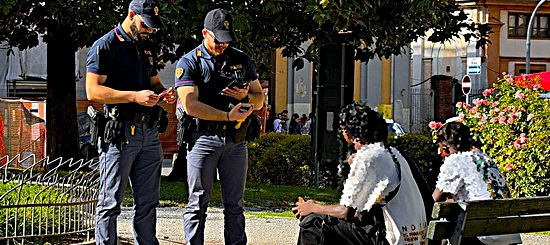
(47, 198)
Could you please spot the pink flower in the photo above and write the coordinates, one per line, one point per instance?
(510, 80)
(530, 116)
(473, 110)
(517, 144)
(510, 120)
(522, 138)
(502, 119)
(484, 120)
(495, 104)
(434, 125)
(485, 102)
(488, 91)
(458, 104)
(477, 102)
(509, 167)
(513, 114)
(520, 95)
(462, 116)
(494, 119)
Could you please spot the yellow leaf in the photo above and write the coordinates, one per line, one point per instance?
(324, 3)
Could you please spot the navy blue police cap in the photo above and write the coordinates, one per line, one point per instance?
(220, 22)
(149, 12)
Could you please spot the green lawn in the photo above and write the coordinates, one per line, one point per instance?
(268, 200)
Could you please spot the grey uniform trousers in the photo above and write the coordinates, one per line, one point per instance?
(213, 151)
(140, 162)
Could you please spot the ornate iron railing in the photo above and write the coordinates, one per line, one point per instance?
(47, 198)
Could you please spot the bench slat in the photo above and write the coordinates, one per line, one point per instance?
(508, 207)
(492, 208)
(506, 225)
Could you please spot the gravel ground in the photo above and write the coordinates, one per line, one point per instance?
(260, 231)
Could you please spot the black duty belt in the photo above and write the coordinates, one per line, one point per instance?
(213, 126)
(137, 117)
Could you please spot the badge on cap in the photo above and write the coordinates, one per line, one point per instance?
(179, 72)
(226, 24)
(156, 9)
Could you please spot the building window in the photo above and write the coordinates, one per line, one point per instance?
(518, 23)
(520, 69)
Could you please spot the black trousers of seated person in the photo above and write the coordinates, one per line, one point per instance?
(320, 229)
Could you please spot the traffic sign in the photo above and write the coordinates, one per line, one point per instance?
(474, 70)
(466, 85)
(473, 65)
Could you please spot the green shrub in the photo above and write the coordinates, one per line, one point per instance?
(44, 217)
(512, 123)
(281, 159)
(420, 148)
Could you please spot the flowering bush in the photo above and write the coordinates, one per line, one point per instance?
(512, 123)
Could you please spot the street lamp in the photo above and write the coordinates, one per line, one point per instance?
(528, 40)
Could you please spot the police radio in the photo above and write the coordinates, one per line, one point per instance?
(237, 79)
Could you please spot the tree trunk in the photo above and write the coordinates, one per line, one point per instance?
(61, 124)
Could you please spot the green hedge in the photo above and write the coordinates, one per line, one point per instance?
(421, 149)
(283, 159)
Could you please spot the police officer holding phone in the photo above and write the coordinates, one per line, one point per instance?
(218, 85)
(122, 74)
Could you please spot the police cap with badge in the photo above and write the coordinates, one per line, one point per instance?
(148, 10)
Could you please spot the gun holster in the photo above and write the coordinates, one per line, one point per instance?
(159, 119)
(99, 120)
(186, 126)
(239, 134)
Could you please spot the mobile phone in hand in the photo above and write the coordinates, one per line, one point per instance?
(237, 83)
(246, 106)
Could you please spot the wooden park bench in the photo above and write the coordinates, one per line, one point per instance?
(455, 220)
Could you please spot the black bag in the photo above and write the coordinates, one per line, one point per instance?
(376, 228)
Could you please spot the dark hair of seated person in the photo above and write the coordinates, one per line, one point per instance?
(363, 123)
(454, 135)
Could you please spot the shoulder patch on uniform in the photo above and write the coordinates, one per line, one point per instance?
(179, 72)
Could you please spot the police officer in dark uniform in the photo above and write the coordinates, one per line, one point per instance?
(122, 74)
(214, 81)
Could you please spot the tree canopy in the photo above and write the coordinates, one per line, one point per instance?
(376, 28)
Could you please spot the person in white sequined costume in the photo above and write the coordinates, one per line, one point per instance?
(468, 175)
(379, 193)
